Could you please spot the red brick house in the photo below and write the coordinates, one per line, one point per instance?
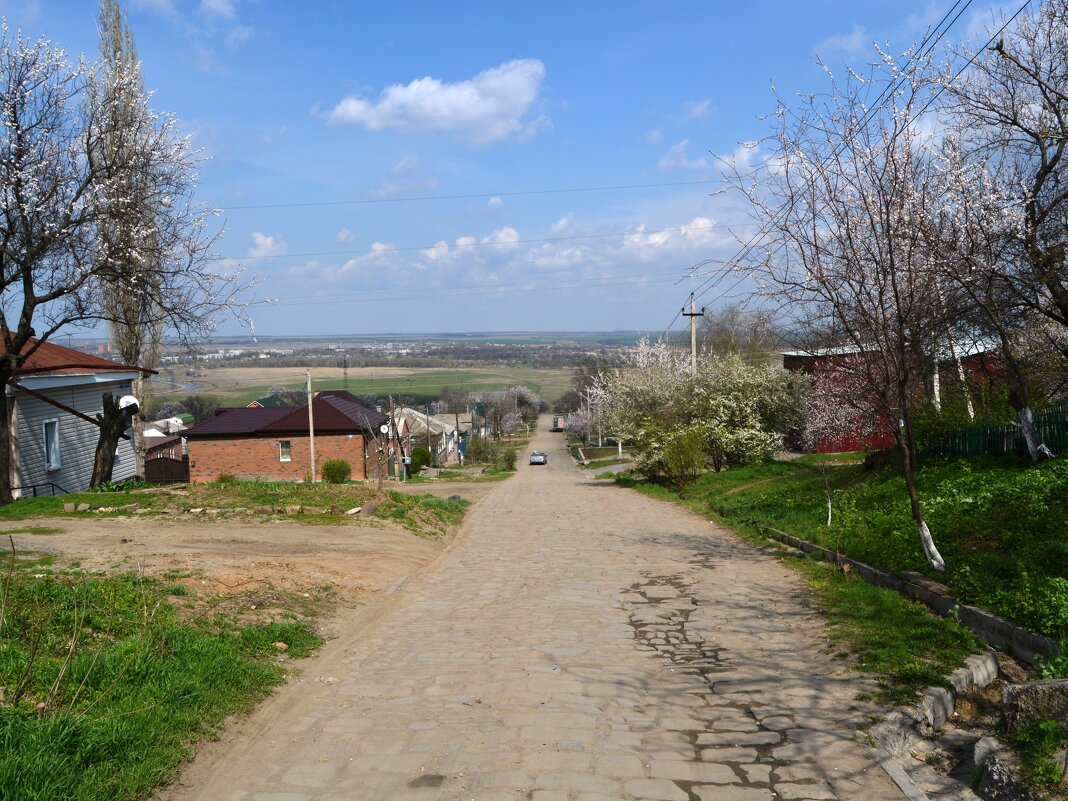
(272, 444)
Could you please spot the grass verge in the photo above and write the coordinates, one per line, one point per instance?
(107, 686)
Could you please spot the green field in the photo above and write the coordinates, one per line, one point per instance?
(241, 385)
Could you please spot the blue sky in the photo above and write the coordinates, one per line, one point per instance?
(407, 167)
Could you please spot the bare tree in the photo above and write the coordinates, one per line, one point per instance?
(843, 204)
(1010, 115)
(734, 330)
(57, 196)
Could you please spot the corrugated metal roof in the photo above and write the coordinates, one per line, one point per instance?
(52, 359)
(236, 422)
(336, 413)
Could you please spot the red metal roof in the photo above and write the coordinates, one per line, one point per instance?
(52, 359)
(334, 414)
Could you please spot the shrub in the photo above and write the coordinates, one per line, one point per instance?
(336, 471)
(506, 458)
(420, 458)
(226, 480)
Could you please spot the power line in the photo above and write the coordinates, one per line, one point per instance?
(750, 244)
(472, 196)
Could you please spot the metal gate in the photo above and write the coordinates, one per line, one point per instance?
(165, 470)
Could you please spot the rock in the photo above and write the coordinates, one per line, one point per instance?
(294, 510)
(281, 647)
(921, 580)
(455, 498)
(82, 507)
(355, 510)
(312, 511)
(104, 509)
(263, 510)
(69, 507)
(985, 747)
(140, 511)
(369, 510)
(170, 510)
(1034, 701)
(336, 510)
(328, 680)
(1000, 784)
(197, 510)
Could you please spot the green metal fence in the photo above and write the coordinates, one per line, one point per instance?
(1052, 428)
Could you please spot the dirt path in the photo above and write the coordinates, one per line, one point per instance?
(576, 642)
(352, 559)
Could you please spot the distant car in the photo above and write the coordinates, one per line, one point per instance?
(538, 458)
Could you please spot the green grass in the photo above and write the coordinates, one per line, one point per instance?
(897, 640)
(603, 463)
(423, 384)
(116, 718)
(423, 515)
(41, 530)
(258, 499)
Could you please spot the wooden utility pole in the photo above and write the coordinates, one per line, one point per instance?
(693, 314)
(311, 428)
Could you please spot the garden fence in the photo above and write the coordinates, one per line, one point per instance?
(1052, 428)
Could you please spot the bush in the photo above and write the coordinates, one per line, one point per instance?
(336, 471)
(421, 457)
(506, 458)
(226, 480)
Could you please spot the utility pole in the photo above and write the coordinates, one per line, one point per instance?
(693, 314)
(311, 427)
(345, 363)
(426, 409)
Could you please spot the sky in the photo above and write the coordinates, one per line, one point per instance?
(432, 167)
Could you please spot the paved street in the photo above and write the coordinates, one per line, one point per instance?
(579, 642)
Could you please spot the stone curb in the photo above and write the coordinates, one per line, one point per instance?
(998, 632)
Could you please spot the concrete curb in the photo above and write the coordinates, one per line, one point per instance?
(998, 632)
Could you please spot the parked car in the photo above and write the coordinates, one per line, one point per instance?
(538, 458)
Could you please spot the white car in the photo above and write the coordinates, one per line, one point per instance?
(538, 458)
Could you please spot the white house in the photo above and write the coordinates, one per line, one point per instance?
(55, 397)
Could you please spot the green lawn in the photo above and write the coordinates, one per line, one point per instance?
(108, 687)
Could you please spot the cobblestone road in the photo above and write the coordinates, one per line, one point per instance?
(579, 643)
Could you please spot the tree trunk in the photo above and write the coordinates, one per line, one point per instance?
(907, 442)
(140, 447)
(113, 423)
(6, 426)
(1036, 448)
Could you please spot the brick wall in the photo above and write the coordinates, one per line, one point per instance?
(257, 457)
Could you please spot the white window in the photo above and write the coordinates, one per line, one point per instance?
(51, 444)
(284, 452)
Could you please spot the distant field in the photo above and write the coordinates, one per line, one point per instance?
(243, 384)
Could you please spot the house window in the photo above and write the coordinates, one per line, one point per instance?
(51, 444)
(284, 453)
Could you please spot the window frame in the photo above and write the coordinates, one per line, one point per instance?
(50, 466)
(285, 454)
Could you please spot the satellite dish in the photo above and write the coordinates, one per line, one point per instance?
(384, 428)
(129, 404)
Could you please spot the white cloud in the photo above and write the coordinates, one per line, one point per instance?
(405, 165)
(847, 45)
(218, 8)
(563, 225)
(238, 35)
(264, 246)
(494, 204)
(654, 136)
(677, 159)
(345, 235)
(438, 251)
(504, 238)
(697, 109)
(485, 109)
